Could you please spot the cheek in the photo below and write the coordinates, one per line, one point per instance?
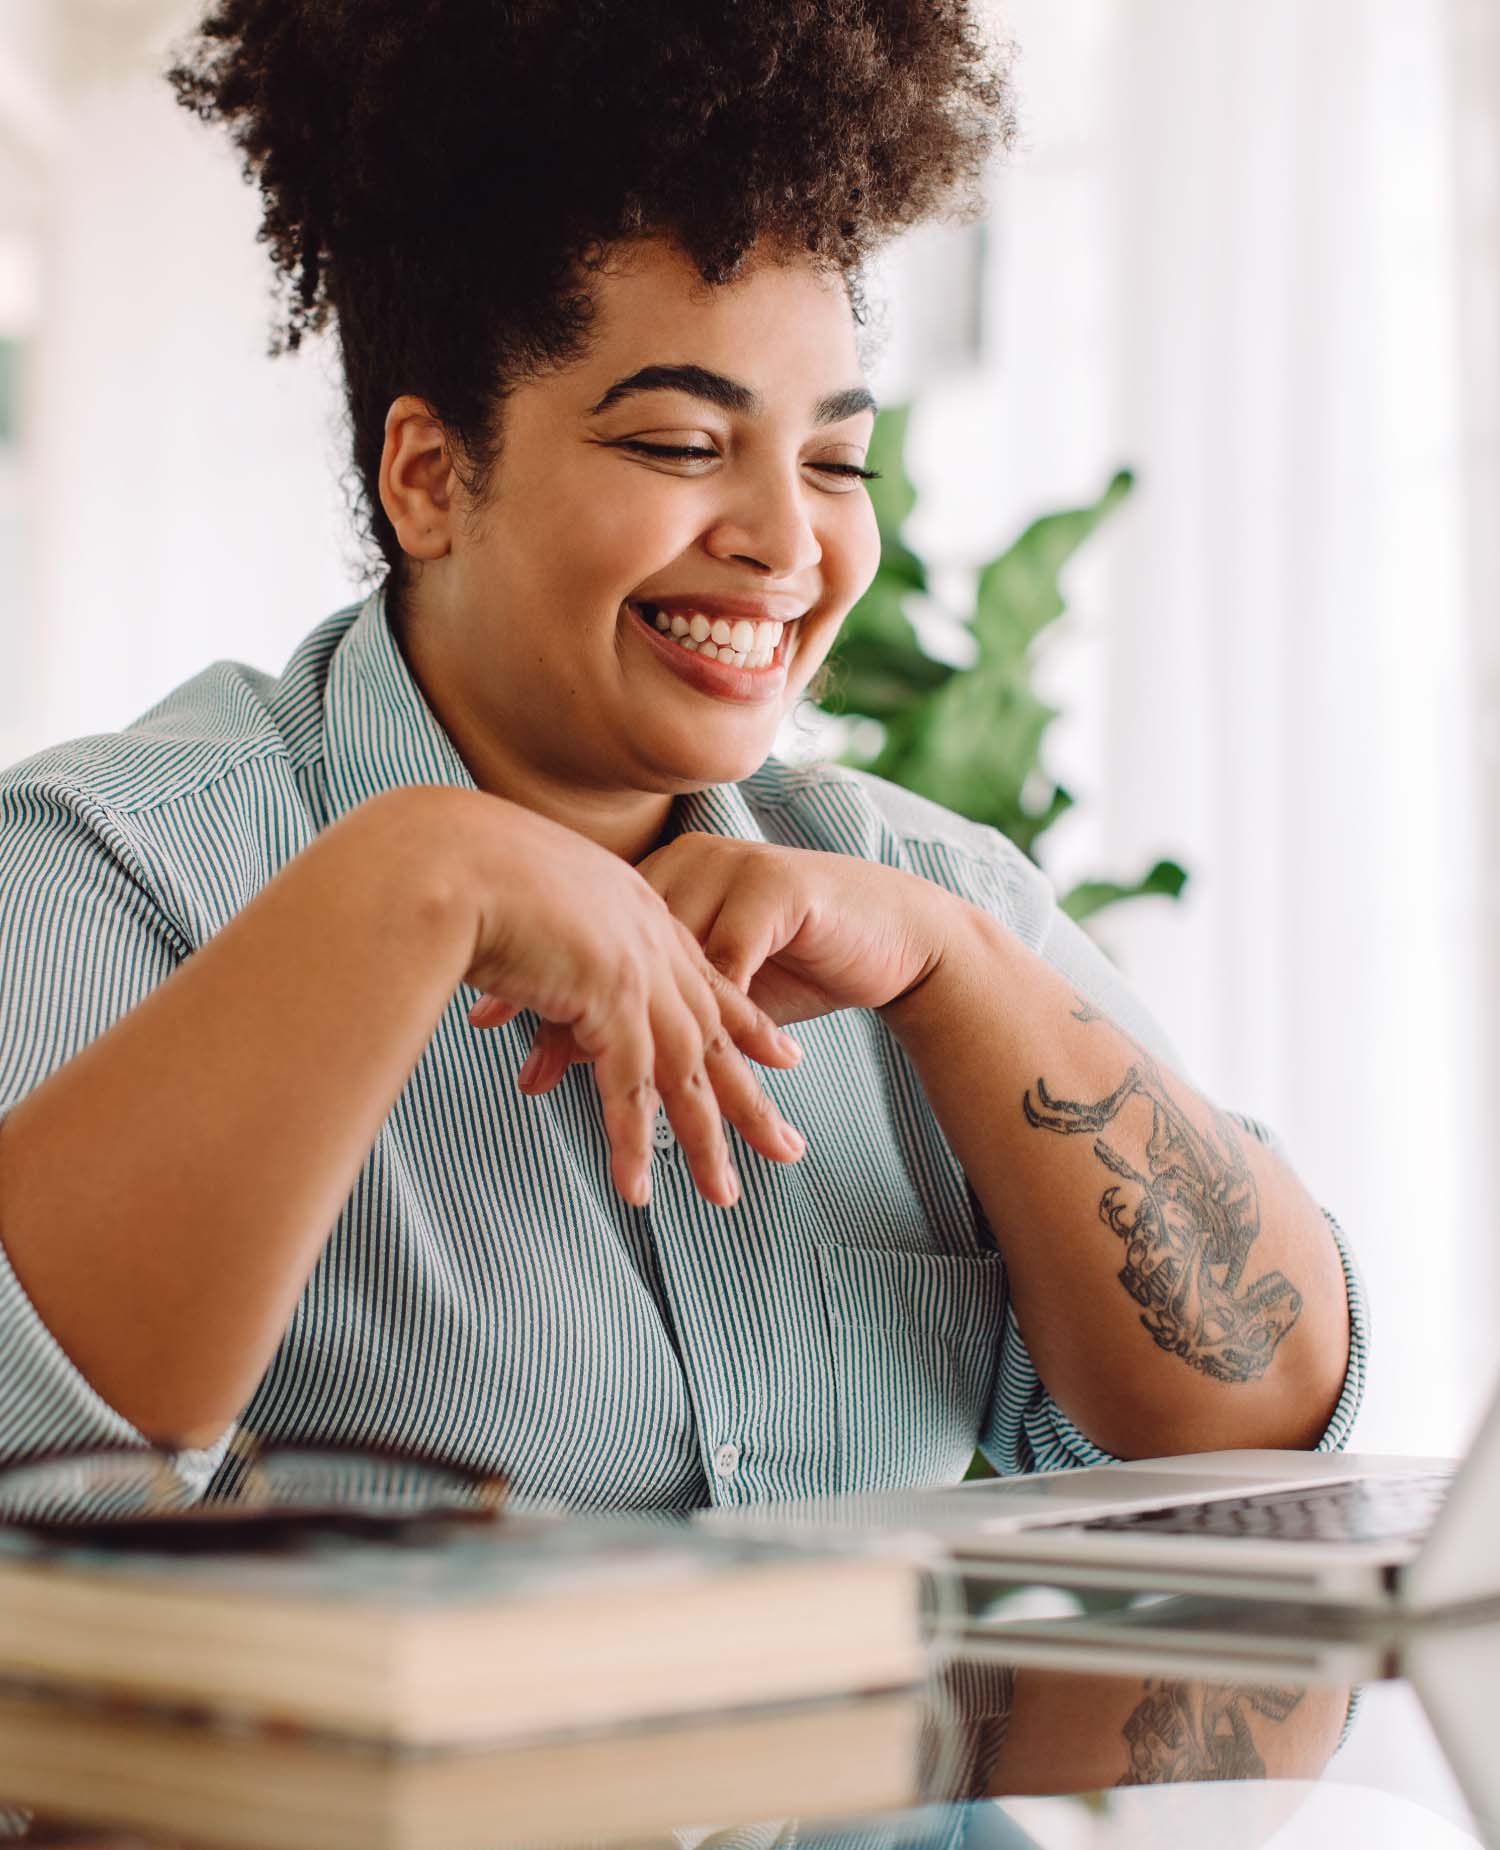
(851, 549)
(571, 530)
(618, 533)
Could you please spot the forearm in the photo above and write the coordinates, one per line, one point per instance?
(165, 1194)
(1068, 1731)
(1177, 1287)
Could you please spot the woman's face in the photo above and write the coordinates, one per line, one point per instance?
(530, 633)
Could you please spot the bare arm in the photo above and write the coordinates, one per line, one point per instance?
(165, 1194)
(1176, 1285)
(1071, 1732)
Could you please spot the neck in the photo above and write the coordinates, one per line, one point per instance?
(629, 823)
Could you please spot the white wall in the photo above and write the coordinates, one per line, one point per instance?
(181, 498)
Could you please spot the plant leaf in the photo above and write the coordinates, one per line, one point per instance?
(877, 665)
(893, 497)
(1018, 594)
(971, 739)
(1091, 896)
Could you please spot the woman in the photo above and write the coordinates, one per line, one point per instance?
(278, 957)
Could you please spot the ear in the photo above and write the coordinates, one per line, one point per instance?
(417, 483)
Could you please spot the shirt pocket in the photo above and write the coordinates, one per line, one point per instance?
(915, 1342)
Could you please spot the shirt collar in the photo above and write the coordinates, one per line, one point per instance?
(379, 734)
(720, 809)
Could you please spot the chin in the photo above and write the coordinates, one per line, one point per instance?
(724, 764)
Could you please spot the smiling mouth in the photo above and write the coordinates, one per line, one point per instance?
(737, 642)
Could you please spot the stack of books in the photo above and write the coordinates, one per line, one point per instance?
(81, 1763)
(544, 1678)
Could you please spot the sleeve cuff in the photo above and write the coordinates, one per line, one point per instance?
(46, 1404)
(1027, 1430)
(1340, 1426)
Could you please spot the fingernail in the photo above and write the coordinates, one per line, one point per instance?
(731, 1185)
(788, 1045)
(794, 1138)
(532, 1067)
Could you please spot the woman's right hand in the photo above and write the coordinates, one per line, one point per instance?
(569, 930)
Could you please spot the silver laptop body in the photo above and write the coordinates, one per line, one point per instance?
(1132, 1525)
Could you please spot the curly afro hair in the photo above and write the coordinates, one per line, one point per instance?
(439, 176)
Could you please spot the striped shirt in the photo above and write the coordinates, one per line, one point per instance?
(485, 1295)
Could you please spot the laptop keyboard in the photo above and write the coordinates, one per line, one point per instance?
(1375, 1509)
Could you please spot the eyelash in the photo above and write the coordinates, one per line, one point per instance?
(683, 453)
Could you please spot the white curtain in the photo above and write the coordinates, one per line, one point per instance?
(1252, 253)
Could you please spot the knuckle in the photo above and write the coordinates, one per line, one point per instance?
(693, 1081)
(626, 979)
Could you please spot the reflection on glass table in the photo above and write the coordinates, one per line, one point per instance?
(1201, 1729)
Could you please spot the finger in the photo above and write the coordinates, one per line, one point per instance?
(744, 1101)
(695, 906)
(718, 1005)
(491, 1012)
(553, 1050)
(748, 1106)
(689, 883)
(743, 934)
(749, 1026)
(689, 1099)
(623, 1067)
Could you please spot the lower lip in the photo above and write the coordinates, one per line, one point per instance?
(750, 686)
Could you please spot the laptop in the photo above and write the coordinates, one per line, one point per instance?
(1317, 1528)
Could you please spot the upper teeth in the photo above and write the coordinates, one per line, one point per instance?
(741, 643)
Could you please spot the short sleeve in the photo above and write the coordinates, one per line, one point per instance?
(1027, 1431)
(81, 942)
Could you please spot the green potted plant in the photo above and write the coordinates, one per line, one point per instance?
(970, 738)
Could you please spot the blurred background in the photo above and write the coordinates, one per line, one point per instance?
(1250, 254)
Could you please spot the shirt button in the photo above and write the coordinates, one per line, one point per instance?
(727, 1459)
(661, 1134)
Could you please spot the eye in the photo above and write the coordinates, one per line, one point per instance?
(674, 452)
(683, 452)
(851, 470)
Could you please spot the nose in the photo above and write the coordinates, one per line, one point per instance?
(768, 527)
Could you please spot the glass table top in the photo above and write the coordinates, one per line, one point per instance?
(1046, 1720)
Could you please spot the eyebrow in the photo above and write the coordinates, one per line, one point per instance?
(728, 394)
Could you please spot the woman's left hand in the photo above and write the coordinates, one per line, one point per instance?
(801, 932)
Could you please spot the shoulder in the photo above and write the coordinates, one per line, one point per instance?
(228, 717)
(196, 802)
(840, 810)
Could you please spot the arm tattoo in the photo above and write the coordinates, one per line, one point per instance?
(1199, 1731)
(1188, 1223)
